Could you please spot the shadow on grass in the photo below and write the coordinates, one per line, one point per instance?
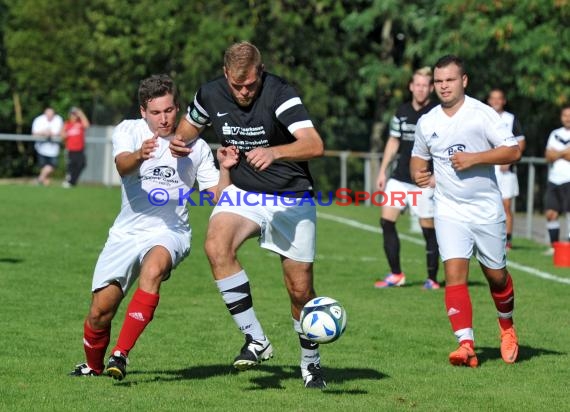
(272, 379)
(11, 260)
(526, 353)
(420, 283)
(520, 248)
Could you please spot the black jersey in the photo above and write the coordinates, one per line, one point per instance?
(403, 127)
(272, 118)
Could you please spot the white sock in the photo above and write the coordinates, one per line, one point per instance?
(464, 334)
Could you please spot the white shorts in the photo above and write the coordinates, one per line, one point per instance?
(508, 183)
(459, 239)
(121, 258)
(287, 225)
(421, 205)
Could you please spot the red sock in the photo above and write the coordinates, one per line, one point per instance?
(95, 344)
(505, 303)
(460, 312)
(139, 314)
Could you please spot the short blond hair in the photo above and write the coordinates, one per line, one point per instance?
(423, 71)
(240, 57)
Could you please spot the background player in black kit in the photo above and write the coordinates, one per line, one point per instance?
(401, 142)
(261, 120)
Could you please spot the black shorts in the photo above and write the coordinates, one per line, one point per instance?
(47, 160)
(557, 197)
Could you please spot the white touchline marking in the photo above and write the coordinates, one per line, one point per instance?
(411, 239)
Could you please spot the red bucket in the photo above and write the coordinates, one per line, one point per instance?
(562, 254)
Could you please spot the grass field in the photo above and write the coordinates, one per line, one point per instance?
(393, 355)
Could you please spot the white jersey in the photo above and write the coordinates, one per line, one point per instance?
(470, 195)
(159, 180)
(559, 170)
(41, 124)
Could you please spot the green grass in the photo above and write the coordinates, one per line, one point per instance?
(392, 357)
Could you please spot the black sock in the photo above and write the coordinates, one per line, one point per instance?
(432, 252)
(391, 245)
(553, 230)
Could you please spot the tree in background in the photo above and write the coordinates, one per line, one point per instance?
(350, 60)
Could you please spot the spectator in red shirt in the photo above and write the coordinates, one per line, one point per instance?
(74, 138)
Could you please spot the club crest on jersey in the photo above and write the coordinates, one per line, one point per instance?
(164, 172)
(451, 150)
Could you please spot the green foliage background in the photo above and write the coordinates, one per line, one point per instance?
(350, 60)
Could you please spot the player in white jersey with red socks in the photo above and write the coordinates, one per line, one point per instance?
(151, 234)
(465, 139)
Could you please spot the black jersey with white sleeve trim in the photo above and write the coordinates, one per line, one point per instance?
(403, 127)
(275, 114)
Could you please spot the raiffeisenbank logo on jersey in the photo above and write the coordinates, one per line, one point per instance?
(228, 130)
(162, 175)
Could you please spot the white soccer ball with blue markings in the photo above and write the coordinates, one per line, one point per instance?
(323, 320)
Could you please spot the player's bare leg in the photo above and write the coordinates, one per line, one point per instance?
(45, 174)
(226, 233)
(298, 277)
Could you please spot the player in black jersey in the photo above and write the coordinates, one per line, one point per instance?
(263, 124)
(401, 142)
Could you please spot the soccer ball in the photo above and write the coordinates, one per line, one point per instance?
(323, 320)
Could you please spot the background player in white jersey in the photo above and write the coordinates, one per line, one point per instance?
(47, 127)
(506, 176)
(151, 234)
(465, 139)
(261, 117)
(557, 198)
(401, 142)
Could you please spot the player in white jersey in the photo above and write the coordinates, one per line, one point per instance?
(465, 139)
(557, 199)
(506, 176)
(151, 234)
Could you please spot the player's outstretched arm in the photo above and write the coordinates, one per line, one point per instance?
(186, 133)
(128, 162)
